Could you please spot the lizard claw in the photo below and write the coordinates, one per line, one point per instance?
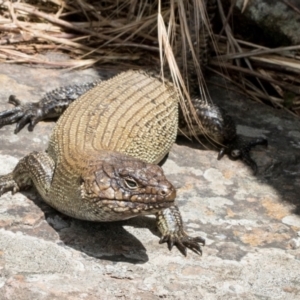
(12, 99)
(7, 183)
(52, 105)
(182, 241)
(22, 114)
(170, 225)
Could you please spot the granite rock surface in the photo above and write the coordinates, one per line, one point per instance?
(275, 17)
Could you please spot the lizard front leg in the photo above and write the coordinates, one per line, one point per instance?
(35, 169)
(170, 225)
(52, 105)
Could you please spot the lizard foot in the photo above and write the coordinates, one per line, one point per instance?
(22, 114)
(182, 241)
(52, 105)
(7, 183)
(170, 225)
(239, 149)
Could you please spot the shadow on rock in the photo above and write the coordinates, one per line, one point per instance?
(108, 241)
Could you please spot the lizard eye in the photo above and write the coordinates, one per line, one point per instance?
(131, 183)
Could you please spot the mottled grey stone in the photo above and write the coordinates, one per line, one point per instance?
(274, 16)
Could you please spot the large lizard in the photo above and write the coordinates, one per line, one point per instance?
(100, 164)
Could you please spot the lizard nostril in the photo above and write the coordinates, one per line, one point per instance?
(169, 193)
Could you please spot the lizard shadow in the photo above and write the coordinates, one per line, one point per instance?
(101, 240)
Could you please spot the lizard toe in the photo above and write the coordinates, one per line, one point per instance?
(7, 183)
(182, 241)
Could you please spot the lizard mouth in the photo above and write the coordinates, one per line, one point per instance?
(163, 196)
(134, 208)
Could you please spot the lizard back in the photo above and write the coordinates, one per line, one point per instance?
(132, 113)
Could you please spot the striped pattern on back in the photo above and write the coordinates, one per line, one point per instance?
(131, 113)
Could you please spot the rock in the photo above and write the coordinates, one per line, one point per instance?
(277, 19)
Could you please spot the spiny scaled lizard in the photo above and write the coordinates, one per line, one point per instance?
(100, 164)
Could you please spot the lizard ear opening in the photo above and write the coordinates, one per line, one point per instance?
(108, 169)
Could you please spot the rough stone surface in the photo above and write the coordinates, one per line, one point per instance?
(251, 223)
(275, 16)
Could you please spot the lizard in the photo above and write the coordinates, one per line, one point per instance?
(100, 164)
(101, 161)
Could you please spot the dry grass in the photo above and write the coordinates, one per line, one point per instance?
(133, 33)
(264, 74)
(126, 33)
(105, 32)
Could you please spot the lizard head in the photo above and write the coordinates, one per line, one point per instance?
(125, 185)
